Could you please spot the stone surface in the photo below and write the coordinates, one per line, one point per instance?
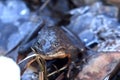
(99, 66)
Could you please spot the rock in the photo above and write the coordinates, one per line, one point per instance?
(99, 66)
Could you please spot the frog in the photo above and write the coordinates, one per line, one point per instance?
(52, 42)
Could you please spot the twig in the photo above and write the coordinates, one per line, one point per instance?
(57, 71)
(28, 57)
(44, 5)
(41, 75)
(60, 77)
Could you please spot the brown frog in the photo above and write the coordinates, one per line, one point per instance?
(52, 42)
(55, 42)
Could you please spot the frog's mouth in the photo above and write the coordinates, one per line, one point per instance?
(60, 54)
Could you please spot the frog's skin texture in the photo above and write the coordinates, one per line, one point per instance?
(53, 43)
